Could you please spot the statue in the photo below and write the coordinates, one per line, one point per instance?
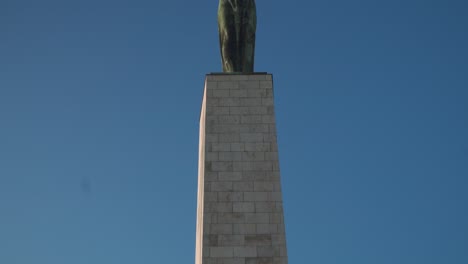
(237, 23)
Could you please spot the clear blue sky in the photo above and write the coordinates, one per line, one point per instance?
(99, 108)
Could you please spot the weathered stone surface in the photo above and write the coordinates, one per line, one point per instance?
(240, 211)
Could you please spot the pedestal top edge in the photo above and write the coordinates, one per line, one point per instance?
(257, 76)
(238, 73)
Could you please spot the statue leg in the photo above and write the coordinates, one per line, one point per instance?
(227, 36)
(249, 26)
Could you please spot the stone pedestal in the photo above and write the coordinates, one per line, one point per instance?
(240, 209)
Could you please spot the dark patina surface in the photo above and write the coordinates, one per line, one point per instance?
(237, 23)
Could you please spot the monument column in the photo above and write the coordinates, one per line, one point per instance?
(240, 209)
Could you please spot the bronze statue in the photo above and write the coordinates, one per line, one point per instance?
(237, 23)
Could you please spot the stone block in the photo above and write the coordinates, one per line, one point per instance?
(256, 196)
(211, 196)
(218, 110)
(256, 93)
(222, 186)
(210, 241)
(276, 166)
(269, 229)
(276, 218)
(254, 128)
(245, 251)
(221, 166)
(264, 84)
(212, 102)
(254, 175)
(257, 147)
(224, 129)
(230, 261)
(220, 229)
(245, 207)
(230, 156)
(259, 260)
(251, 119)
(238, 93)
(283, 251)
(238, 77)
(269, 138)
(265, 251)
(229, 101)
(221, 252)
(252, 166)
(251, 137)
(237, 147)
(253, 156)
(273, 156)
(275, 196)
(243, 186)
(257, 218)
(251, 101)
(268, 101)
(220, 147)
(281, 260)
(230, 196)
(263, 186)
(218, 207)
(231, 240)
(211, 156)
(229, 119)
(211, 176)
(231, 218)
(279, 207)
(249, 85)
(243, 229)
(258, 240)
(265, 207)
(228, 85)
(260, 77)
(230, 176)
(220, 93)
(268, 119)
(272, 129)
(278, 240)
(274, 146)
(229, 138)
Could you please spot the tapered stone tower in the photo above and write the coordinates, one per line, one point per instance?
(240, 209)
